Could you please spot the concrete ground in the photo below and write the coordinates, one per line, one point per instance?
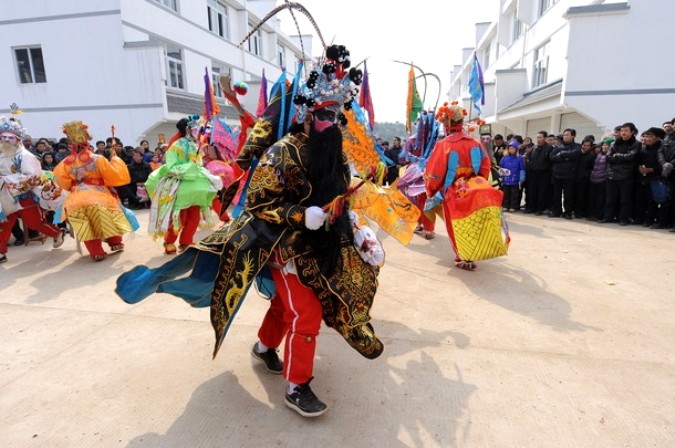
(567, 342)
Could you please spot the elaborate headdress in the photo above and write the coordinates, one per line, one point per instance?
(450, 115)
(77, 132)
(334, 85)
(7, 125)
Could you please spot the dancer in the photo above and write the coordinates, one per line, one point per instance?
(295, 234)
(456, 176)
(182, 190)
(92, 208)
(20, 174)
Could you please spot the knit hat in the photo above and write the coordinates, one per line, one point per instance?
(608, 141)
(660, 133)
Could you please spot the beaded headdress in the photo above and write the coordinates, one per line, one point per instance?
(7, 125)
(332, 84)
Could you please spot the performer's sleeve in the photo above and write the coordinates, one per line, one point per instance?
(266, 195)
(62, 178)
(485, 164)
(114, 173)
(30, 166)
(434, 173)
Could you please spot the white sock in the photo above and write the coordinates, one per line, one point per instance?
(291, 387)
(262, 348)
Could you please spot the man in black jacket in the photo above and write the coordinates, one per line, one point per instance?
(666, 159)
(564, 159)
(582, 178)
(621, 175)
(539, 175)
(139, 170)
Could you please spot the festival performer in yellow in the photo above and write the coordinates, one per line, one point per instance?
(91, 207)
(456, 177)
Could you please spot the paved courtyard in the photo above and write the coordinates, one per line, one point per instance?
(567, 342)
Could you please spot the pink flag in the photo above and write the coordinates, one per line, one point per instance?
(262, 99)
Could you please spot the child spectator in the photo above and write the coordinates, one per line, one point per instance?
(513, 175)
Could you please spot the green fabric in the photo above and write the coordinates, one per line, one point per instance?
(183, 162)
(416, 104)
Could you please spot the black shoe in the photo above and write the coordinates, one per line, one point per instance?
(538, 213)
(566, 216)
(624, 223)
(672, 229)
(304, 402)
(269, 358)
(528, 212)
(657, 226)
(553, 215)
(19, 242)
(3, 258)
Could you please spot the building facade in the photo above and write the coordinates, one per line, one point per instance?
(137, 64)
(583, 64)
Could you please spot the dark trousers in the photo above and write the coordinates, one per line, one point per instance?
(511, 196)
(538, 190)
(597, 194)
(644, 207)
(563, 196)
(581, 198)
(619, 200)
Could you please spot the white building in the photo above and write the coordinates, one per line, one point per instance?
(588, 65)
(137, 64)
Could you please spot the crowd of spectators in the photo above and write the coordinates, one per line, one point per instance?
(626, 178)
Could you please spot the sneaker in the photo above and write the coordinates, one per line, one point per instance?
(269, 358)
(3, 258)
(304, 402)
(19, 242)
(58, 240)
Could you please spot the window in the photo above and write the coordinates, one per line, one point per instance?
(30, 65)
(255, 41)
(281, 55)
(171, 4)
(518, 30)
(218, 21)
(216, 71)
(486, 59)
(544, 5)
(174, 63)
(540, 70)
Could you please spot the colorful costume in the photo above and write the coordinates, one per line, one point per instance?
(456, 177)
(182, 191)
(20, 180)
(303, 257)
(91, 208)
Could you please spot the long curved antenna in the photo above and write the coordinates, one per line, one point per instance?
(424, 96)
(438, 98)
(272, 13)
(302, 45)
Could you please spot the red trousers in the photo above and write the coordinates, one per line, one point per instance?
(33, 216)
(95, 247)
(429, 224)
(294, 312)
(189, 222)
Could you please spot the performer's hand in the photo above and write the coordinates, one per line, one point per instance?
(314, 217)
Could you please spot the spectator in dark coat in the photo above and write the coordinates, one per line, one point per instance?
(649, 169)
(564, 160)
(582, 178)
(597, 189)
(666, 158)
(139, 170)
(539, 175)
(393, 154)
(621, 175)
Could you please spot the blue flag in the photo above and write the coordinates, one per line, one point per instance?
(476, 84)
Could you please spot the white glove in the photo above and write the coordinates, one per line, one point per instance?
(314, 217)
(368, 246)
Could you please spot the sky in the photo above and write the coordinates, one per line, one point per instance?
(428, 33)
